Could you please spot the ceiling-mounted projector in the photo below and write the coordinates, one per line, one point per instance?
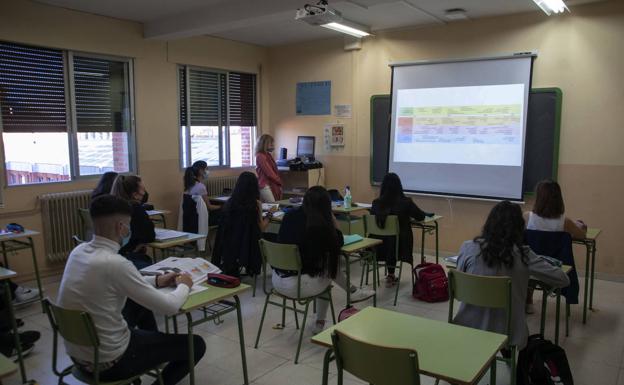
(318, 14)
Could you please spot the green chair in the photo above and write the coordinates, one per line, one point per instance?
(489, 292)
(375, 364)
(77, 327)
(286, 257)
(391, 228)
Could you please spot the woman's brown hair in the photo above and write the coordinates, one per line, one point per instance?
(548, 199)
(125, 186)
(263, 143)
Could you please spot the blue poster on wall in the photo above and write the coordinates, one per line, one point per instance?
(314, 98)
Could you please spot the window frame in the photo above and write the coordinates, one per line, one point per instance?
(71, 118)
(224, 134)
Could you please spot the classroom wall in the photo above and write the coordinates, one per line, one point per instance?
(155, 100)
(581, 52)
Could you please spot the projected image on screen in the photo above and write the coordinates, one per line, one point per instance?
(460, 125)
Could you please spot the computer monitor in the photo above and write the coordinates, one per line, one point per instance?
(305, 147)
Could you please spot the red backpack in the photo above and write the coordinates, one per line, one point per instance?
(431, 283)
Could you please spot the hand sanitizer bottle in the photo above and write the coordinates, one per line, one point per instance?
(347, 198)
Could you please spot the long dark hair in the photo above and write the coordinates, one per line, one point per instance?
(246, 192)
(191, 175)
(320, 230)
(391, 192)
(502, 235)
(548, 199)
(105, 184)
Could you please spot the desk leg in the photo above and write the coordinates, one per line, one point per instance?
(437, 243)
(241, 339)
(375, 275)
(16, 340)
(191, 350)
(164, 221)
(493, 372)
(422, 245)
(586, 289)
(37, 275)
(591, 282)
(543, 318)
(326, 360)
(557, 316)
(4, 255)
(348, 272)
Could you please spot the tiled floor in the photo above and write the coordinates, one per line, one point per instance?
(595, 350)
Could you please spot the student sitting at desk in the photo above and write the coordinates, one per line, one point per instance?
(500, 251)
(236, 244)
(269, 180)
(105, 185)
(194, 184)
(98, 280)
(548, 214)
(392, 201)
(131, 189)
(313, 228)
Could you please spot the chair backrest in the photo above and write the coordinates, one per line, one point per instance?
(87, 224)
(379, 365)
(391, 227)
(280, 255)
(485, 291)
(74, 326)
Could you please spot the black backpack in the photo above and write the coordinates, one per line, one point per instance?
(543, 363)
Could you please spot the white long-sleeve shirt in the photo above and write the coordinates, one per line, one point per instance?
(98, 280)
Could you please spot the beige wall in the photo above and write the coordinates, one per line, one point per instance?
(155, 98)
(581, 52)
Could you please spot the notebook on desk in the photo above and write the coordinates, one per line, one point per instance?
(353, 238)
(165, 235)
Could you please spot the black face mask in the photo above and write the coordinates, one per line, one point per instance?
(145, 198)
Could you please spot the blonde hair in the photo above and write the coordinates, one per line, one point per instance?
(263, 143)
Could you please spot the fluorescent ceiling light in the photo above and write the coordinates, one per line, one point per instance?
(551, 6)
(341, 27)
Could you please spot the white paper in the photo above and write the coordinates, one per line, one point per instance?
(342, 110)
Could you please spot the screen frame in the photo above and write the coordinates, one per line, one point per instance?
(531, 54)
(313, 139)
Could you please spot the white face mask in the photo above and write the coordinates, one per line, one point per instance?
(206, 173)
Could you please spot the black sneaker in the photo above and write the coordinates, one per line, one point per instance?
(27, 339)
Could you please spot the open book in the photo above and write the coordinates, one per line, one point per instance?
(197, 268)
(165, 235)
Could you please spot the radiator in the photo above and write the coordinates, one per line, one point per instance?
(61, 221)
(215, 186)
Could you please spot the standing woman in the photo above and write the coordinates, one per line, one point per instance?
(269, 180)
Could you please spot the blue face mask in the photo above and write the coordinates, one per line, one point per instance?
(126, 239)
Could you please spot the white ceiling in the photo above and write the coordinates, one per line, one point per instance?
(271, 22)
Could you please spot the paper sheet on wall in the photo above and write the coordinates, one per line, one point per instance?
(343, 111)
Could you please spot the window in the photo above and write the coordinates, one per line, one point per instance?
(217, 117)
(63, 115)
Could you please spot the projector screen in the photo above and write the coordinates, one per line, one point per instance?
(458, 127)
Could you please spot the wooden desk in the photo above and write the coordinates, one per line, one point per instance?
(590, 247)
(5, 276)
(166, 245)
(158, 216)
(365, 246)
(13, 242)
(429, 224)
(216, 297)
(446, 351)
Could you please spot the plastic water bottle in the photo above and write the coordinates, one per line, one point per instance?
(347, 198)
